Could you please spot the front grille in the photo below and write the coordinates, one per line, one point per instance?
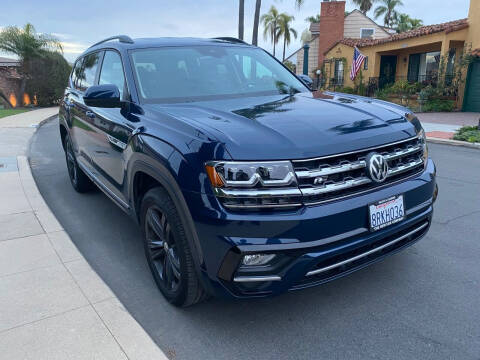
(329, 178)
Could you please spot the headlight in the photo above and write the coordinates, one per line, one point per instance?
(423, 139)
(254, 185)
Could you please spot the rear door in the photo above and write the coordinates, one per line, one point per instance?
(111, 131)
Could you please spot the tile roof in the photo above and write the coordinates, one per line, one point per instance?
(448, 27)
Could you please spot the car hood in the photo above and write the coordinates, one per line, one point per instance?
(294, 127)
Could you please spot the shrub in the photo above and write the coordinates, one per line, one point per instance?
(347, 90)
(438, 105)
(48, 79)
(384, 93)
(468, 133)
(402, 88)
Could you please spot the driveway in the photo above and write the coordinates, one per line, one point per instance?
(420, 304)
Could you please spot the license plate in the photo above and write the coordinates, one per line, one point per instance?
(386, 212)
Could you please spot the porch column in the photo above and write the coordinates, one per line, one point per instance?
(306, 47)
(445, 46)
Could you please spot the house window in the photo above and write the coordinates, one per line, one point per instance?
(338, 72)
(367, 33)
(424, 67)
(365, 63)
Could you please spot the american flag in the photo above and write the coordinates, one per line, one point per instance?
(357, 62)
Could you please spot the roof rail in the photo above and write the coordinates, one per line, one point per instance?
(231, 39)
(122, 38)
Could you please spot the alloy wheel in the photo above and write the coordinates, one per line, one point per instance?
(162, 249)
(71, 162)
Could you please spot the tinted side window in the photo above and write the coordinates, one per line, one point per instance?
(112, 71)
(76, 73)
(90, 65)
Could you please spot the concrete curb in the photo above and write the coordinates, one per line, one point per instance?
(132, 339)
(54, 305)
(453, 143)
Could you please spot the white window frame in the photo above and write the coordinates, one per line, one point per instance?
(361, 30)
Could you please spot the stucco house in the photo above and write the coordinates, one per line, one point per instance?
(355, 25)
(414, 56)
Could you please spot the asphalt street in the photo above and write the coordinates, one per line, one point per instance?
(423, 303)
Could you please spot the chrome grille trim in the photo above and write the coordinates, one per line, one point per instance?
(361, 192)
(405, 167)
(402, 153)
(356, 151)
(335, 177)
(330, 170)
(335, 187)
(360, 256)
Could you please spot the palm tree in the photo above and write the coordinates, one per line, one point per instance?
(388, 11)
(313, 19)
(406, 23)
(270, 22)
(256, 18)
(27, 44)
(286, 31)
(241, 16)
(416, 23)
(256, 21)
(364, 5)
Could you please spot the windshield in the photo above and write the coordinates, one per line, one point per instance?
(180, 74)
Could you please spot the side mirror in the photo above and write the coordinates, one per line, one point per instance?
(306, 80)
(104, 96)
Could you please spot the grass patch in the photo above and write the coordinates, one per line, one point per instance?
(8, 112)
(468, 133)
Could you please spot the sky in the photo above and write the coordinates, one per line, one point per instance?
(78, 24)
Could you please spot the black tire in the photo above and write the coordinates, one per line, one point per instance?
(166, 248)
(80, 182)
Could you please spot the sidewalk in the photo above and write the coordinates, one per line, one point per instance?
(52, 304)
(444, 125)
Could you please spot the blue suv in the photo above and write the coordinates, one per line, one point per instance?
(244, 182)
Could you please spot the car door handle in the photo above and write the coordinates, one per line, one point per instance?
(90, 114)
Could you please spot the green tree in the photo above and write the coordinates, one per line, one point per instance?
(270, 22)
(48, 79)
(388, 11)
(286, 31)
(256, 18)
(241, 18)
(313, 19)
(405, 23)
(416, 23)
(364, 5)
(28, 45)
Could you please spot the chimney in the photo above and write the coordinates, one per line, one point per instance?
(332, 18)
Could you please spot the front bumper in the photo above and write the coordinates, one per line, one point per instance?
(314, 244)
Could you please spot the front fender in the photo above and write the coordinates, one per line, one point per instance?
(164, 163)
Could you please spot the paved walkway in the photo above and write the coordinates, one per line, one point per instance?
(444, 125)
(52, 304)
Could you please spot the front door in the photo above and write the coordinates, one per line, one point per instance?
(112, 132)
(472, 90)
(388, 69)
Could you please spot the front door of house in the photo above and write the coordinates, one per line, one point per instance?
(388, 68)
(472, 90)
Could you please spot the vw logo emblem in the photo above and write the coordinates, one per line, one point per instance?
(377, 167)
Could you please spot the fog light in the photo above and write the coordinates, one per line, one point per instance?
(257, 259)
